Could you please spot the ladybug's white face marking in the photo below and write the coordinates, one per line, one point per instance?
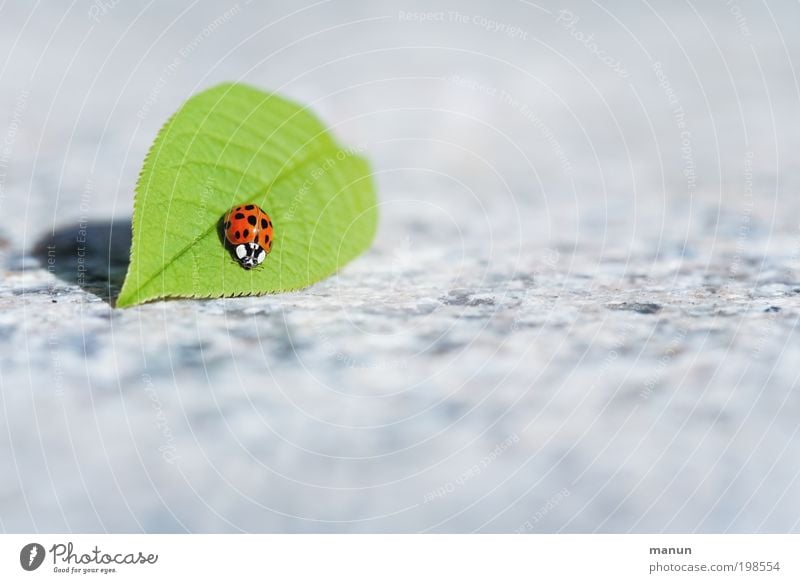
(250, 255)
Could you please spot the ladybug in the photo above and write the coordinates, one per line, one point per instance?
(248, 229)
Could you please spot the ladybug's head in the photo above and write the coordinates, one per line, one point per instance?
(250, 255)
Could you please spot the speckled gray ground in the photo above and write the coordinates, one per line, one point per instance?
(580, 313)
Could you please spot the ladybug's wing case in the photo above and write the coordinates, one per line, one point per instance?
(241, 226)
(228, 226)
(248, 224)
(264, 231)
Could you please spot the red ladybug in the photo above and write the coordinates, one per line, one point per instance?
(248, 229)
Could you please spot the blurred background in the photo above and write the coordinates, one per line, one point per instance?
(579, 315)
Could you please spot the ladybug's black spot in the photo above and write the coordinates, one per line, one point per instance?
(246, 233)
(227, 225)
(250, 207)
(264, 223)
(237, 235)
(238, 208)
(252, 220)
(270, 224)
(239, 216)
(266, 238)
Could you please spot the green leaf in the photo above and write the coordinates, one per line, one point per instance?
(232, 145)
